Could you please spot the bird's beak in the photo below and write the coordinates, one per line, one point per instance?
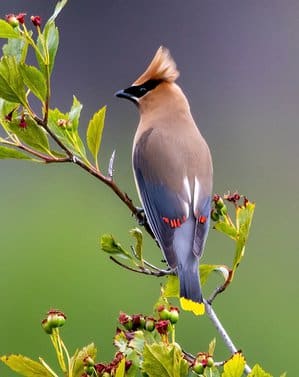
(124, 94)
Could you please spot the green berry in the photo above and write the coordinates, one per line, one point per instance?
(198, 367)
(210, 361)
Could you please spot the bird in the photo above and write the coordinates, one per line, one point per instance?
(173, 173)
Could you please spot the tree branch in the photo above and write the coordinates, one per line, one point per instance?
(222, 332)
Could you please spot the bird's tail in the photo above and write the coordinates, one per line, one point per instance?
(190, 290)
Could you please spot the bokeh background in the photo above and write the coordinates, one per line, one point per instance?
(239, 67)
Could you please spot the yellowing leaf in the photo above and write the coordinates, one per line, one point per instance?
(226, 228)
(234, 367)
(25, 366)
(94, 132)
(257, 371)
(121, 368)
(172, 286)
(161, 360)
(212, 347)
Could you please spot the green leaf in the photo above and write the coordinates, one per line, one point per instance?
(137, 234)
(110, 246)
(17, 48)
(211, 372)
(7, 152)
(7, 31)
(121, 368)
(33, 135)
(234, 367)
(52, 41)
(74, 114)
(59, 124)
(94, 132)
(34, 80)
(172, 286)
(11, 84)
(48, 40)
(77, 364)
(5, 108)
(257, 371)
(25, 366)
(244, 217)
(137, 343)
(226, 228)
(59, 6)
(161, 360)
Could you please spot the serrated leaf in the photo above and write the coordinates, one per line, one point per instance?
(244, 217)
(34, 80)
(234, 367)
(226, 228)
(59, 123)
(33, 135)
(205, 270)
(137, 234)
(48, 40)
(172, 286)
(110, 246)
(257, 371)
(95, 131)
(120, 341)
(161, 360)
(7, 31)
(121, 368)
(6, 107)
(137, 343)
(77, 364)
(17, 48)
(6, 152)
(11, 83)
(25, 366)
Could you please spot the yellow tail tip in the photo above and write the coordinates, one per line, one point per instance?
(195, 307)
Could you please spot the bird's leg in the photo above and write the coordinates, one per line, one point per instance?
(141, 217)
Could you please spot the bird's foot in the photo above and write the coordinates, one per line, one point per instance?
(140, 216)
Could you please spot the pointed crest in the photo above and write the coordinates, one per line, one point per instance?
(162, 67)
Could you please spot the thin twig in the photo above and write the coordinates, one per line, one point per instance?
(141, 270)
(223, 333)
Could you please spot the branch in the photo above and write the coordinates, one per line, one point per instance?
(222, 332)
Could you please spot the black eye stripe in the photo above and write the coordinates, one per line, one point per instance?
(140, 90)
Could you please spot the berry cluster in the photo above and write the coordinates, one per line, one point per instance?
(16, 19)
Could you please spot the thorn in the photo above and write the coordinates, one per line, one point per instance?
(110, 166)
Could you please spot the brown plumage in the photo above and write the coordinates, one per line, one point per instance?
(173, 172)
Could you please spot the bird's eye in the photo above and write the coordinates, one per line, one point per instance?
(142, 89)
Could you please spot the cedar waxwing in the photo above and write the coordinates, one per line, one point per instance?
(173, 172)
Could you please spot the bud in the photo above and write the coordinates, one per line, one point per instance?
(36, 20)
(12, 20)
(89, 370)
(150, 324)
(210, 362)
(21, 18)
(88, 361)
(162, 327)
(174, 314)
(163, 312)
(219, 203)
(55, 318)
(23, 123)
(214, 215)
(125, 320)
(198, 367)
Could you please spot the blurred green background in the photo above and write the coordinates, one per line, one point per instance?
(239, 67)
